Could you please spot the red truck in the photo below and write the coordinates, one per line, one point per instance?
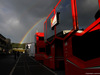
(74, 48)
(40, 46)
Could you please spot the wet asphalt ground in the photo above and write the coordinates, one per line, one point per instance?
(29, 66)
(7, 62)
(25, 65)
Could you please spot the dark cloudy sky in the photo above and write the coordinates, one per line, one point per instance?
(86, 10)
(18, 16)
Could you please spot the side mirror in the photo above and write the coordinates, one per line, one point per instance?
(97, 15)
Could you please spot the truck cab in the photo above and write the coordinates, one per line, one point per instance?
(80, 46)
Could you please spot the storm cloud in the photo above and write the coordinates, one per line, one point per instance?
(86, 10)
(18, 16)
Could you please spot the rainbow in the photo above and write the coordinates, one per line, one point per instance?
(31, 30)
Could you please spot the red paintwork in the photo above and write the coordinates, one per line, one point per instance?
(75, 26)
(75, 70)
(70, 69)
(42, 56)
(49, 60)
(95, 62)
(99, 4)
(73, 65)
(39, 44)
(74, 14)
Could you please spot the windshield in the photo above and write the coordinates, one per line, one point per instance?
(65, 16)
(86, 10)
(48, 32)
(65, 19)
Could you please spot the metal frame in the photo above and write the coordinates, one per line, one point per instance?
(99, 4)
(68, 56)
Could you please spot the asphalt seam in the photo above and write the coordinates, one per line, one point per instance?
(11, 73)
(45, 67)
(14, 67)
(26, 63)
